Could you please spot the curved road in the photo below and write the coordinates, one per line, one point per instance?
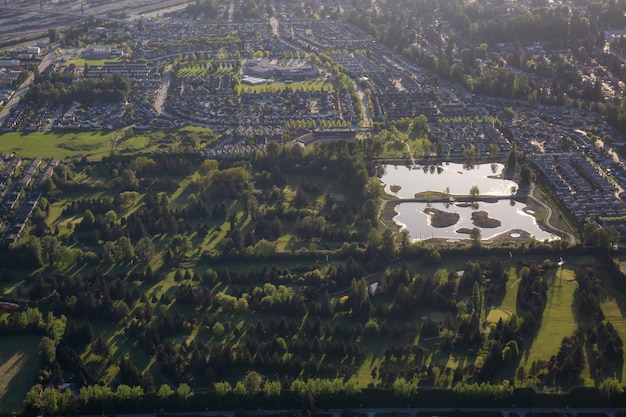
(531, 194)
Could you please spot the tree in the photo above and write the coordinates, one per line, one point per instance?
(47, 350)
(222, 388)
(404, 389)
(475, 236)
(125, 249)
(252, 382)
(50, 246)
(477, 299)
(88, 221)
(271, 388)
(184, 391)
(240, 389)
(526, 174)
(165, 391)
(474, 191)
(54, 35)
(129, 180)
(389, 244)
(512, 161)
(144, 249)
(610, 388)
(180, 244)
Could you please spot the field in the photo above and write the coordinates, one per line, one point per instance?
(60, 145)
(203, 70)
(558, 318)
(19, 361)
(312, 85)
(81, 62)
(613, 307)
(95, 145)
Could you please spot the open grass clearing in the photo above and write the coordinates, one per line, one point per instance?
(96, 144)
(273, 87)
(509, 302)
(613, 306)
(55, 144)
(19, 362)
(496, 314)
(136, 143)
(558, 319)
(81, 62)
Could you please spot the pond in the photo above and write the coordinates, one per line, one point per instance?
(512, 216)
(457, 179)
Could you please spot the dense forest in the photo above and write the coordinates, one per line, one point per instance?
(270, 281)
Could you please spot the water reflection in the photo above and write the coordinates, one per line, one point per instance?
(457, 179)
(454, 178)
(412, 217)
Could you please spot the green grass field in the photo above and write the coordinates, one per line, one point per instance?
(311, 85)
(612, 307)
(96, 144)
(19, 362)
(558, 319)
(80, 62)
(509, 303)
(199, 70)
(54, 144)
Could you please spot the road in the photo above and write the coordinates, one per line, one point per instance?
(22, 89)
(161, 94)
(411, 411)
(531, 194)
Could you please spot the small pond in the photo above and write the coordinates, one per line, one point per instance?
(457, 178)
(412, 217)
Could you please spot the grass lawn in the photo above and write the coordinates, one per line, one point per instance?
(509, 302)
(558, 319)
(135, 143)
(508, 305)
(55, 144)
(95, 144)
(199, 70)
(80, 62)
(311, 85)
(19, 361)
(496, 314)
(612, 312)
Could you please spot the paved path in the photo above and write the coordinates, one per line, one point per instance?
(531, 194)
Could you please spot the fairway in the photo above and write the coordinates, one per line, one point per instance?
(558, 319)
(509, 303)
(59, 145)
(19, 360)
(613, 313)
